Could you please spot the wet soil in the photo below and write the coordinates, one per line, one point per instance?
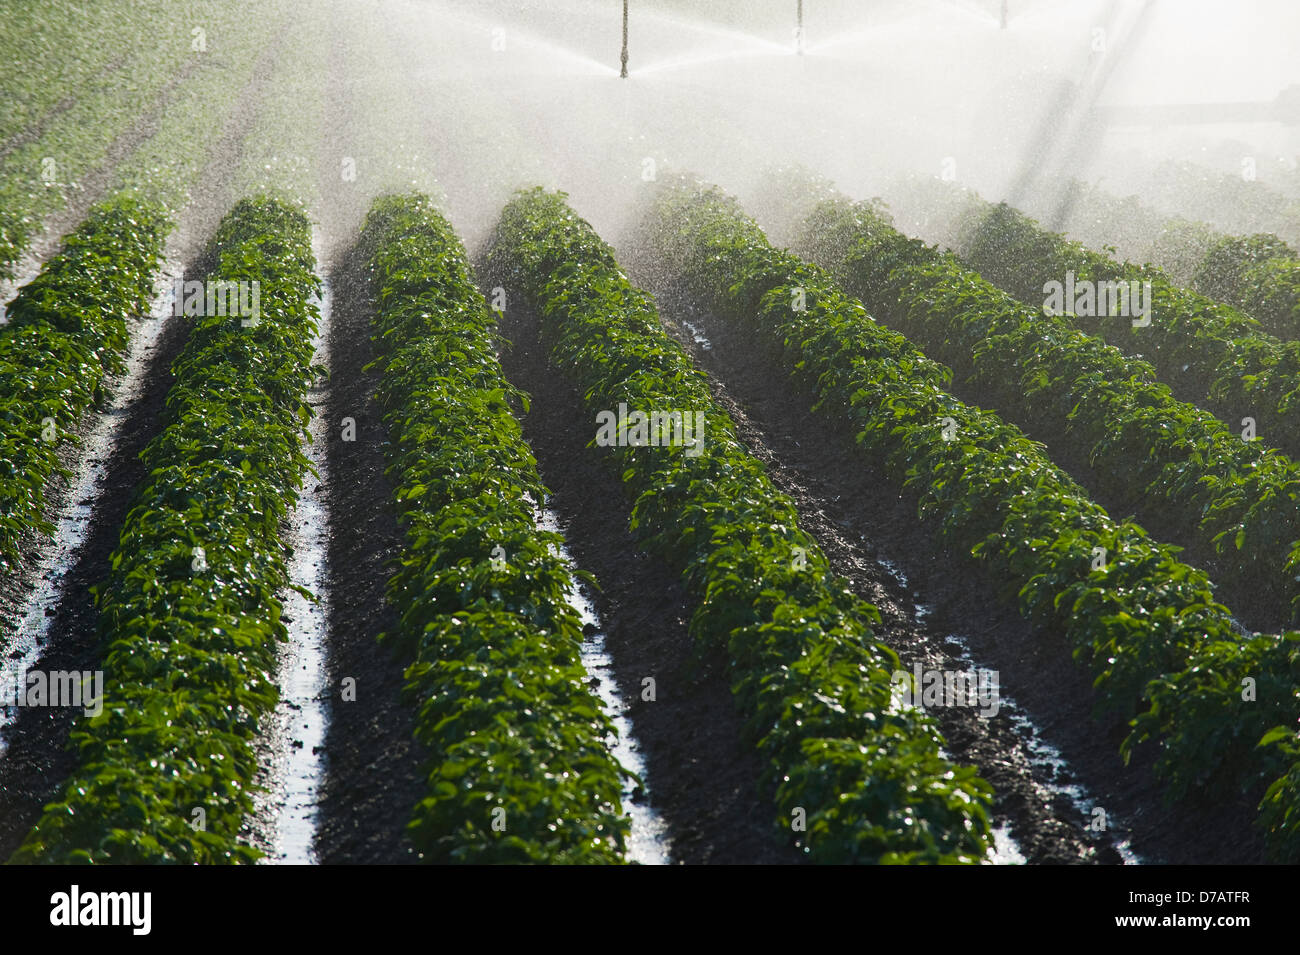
(373, 772)
(702, 774)
(861, 518)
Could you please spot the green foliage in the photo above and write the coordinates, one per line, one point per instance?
(1260, 274)
(1142, 620)
(78, 76)
(67, 329)
(1240, 498)
(805, 669)
(1207, 352)
(188, 671)
(496, 645)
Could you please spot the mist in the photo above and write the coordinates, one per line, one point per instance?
(1111, 93)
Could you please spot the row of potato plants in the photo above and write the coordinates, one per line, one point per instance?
(1168, 459)
(164, 168)
(1259, 274)
(1127, 227)
(280, 154)
(67, 330)
(190, 613)
(868, 778)
(35, 82)
(153, 45)
(1208, 352)
(1145, 625)
(520, 769)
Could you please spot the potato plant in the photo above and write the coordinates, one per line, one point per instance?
(1162, 650)
(191, 612)
(520, 769)
(806, 669)
(67, 331)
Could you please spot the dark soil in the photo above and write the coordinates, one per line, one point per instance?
(374, 768)
(373, 775)
(860, 517)
(702, 776)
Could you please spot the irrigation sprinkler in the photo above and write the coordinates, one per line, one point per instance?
(623, 74)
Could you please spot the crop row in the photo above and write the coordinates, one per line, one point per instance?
(190, 613)
(67, 329)
(387, 150)
(805, 669)
(1256, 273)
(165, 166)
(1127, 227)
(520, 769)
(1170, 459)
(1259, 274)
(1207, 352)
(1134, 620)
(153, 44)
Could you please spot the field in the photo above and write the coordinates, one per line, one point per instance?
(422, 445)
